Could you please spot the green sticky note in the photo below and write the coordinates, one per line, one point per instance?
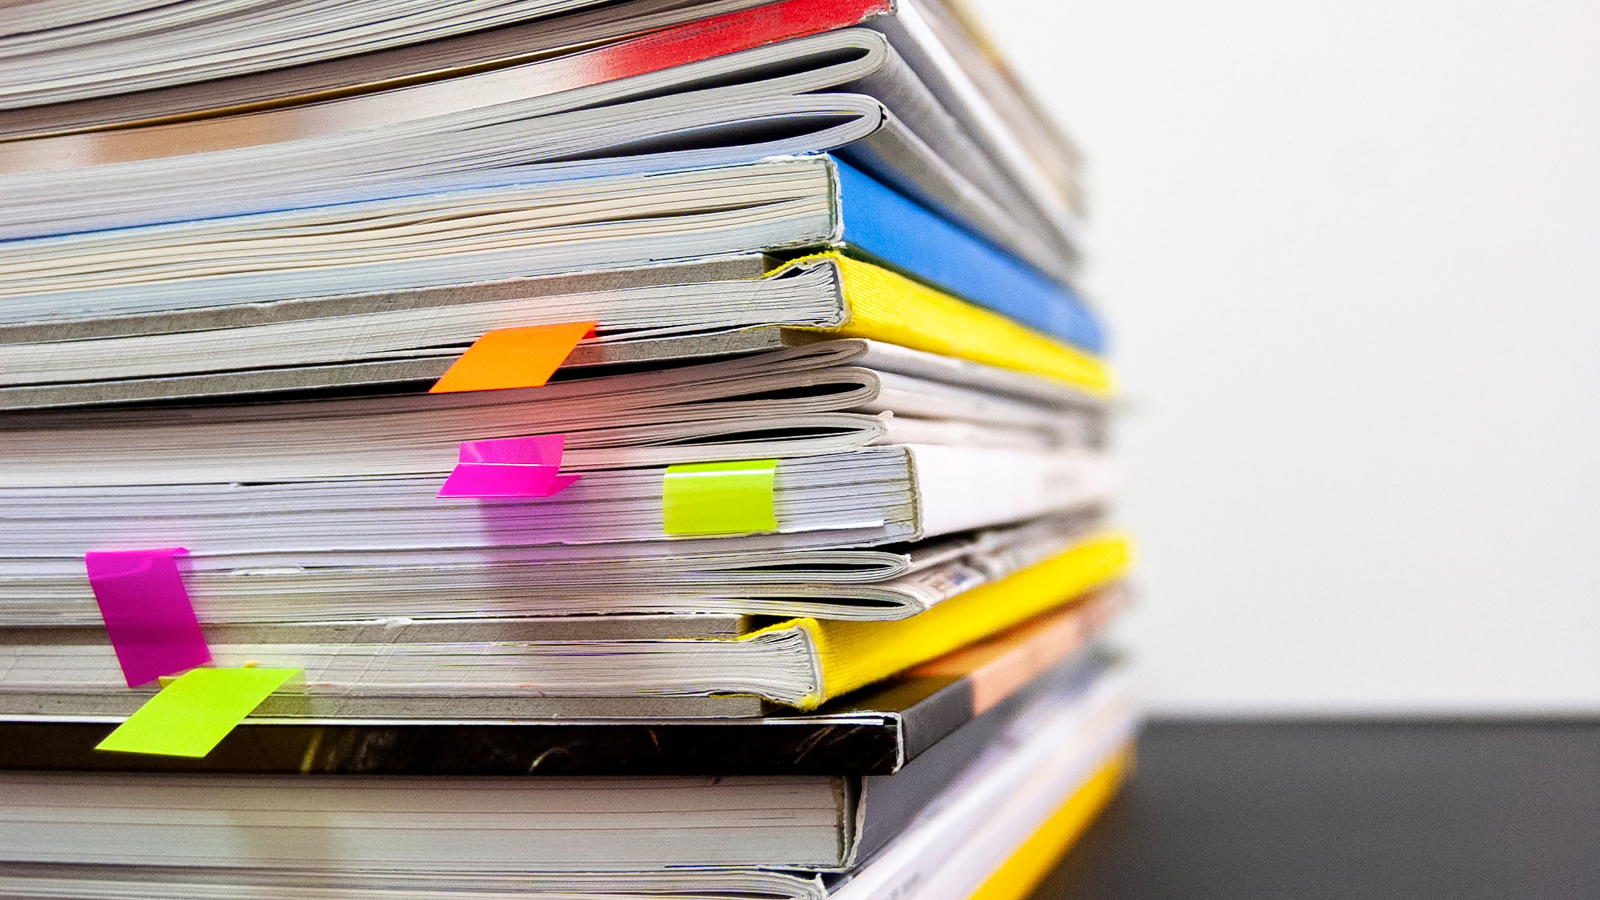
(196, 711)
(720, 498)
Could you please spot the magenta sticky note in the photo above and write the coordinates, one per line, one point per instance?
(509, 467)
(147, 612)
(537, 450)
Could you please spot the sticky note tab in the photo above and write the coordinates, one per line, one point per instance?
(194, 713)
(147, 612)
(720, 498)
(513, 358)
(509, 467)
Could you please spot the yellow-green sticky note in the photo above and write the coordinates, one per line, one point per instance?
(720, 498)
(196, 711)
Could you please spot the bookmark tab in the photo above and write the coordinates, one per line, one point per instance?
(509, 467)
(720, 498)
(513, 358)
(195, 712)
(147, 612)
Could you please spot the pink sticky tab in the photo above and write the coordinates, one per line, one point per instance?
(538, 450)
(509, 467)
(147, 612)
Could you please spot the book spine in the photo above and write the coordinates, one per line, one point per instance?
(854, 654)
(889, 228)
(863, 744)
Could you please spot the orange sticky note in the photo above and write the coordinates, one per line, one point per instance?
(513, 358)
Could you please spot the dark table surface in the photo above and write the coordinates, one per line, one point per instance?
(1453, 811)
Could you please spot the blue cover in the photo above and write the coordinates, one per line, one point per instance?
(882, 224)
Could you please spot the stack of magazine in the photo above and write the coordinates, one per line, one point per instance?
(552, 448)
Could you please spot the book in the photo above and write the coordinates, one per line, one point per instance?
(1016, 874)
(649, 315)
(440, 625)
(235, 596)
(877, 731)
(342, 827)
(860, 497)
(798, 662)
(811, 398)
(274, 515)
(523, 229)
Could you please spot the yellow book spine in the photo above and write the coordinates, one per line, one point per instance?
(1024, 869)
(889, 307)
(855, 654)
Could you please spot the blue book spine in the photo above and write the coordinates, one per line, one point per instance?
(889, 228)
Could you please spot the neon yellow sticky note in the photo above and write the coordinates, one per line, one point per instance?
(196, 711)
(720, 498)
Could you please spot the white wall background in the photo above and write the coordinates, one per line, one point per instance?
(1351, 254)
